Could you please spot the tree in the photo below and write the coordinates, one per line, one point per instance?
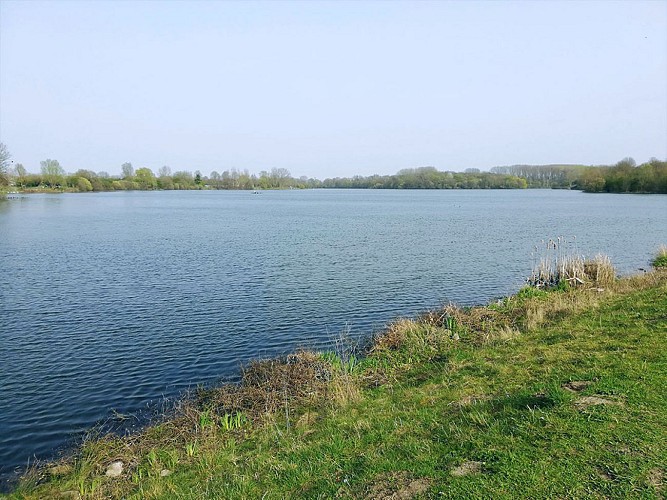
(164, 171)
(52, 173)
(21, 173)
(128, 170)
(183, 180)
(145, 178)
(215, 179)
(5, 157)
(197, 177)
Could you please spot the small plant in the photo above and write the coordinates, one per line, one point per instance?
(205, 419)
(152, 459)
(660, 259)
(169, 458)
(86, 489)
(191, 448)
(450, 324)
(229, 422)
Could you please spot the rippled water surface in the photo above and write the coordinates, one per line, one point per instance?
(113, 301)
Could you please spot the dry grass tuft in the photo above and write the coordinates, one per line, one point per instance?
(660, 260)
(600, 270)
(395, 335)
(561, 265)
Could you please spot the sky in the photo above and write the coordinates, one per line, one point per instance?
(327, 89)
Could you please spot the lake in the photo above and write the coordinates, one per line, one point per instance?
(112, 302)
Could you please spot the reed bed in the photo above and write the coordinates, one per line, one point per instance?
(558, 264)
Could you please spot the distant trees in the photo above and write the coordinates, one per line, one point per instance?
(623, 177)
(626, 177)
(429, 178)
(544, 176)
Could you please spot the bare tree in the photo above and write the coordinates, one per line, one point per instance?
(52, 172)
(5, 157)
(128, 170)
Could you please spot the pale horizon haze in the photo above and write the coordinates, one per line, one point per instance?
(327, 89)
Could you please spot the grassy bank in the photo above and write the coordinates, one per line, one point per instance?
(544, 394)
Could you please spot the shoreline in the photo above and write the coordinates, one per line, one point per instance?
(325, 382)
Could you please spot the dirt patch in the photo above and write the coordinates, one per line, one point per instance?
(605, 475)
(576, 385)
(585, 402)
(656, 478)
(471, 400)
(467, 468)
(397, 486)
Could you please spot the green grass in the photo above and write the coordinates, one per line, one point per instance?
(542, 395)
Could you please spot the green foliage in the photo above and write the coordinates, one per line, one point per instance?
(347, 364)
(530, 292)
(623, 177)
(145, 178)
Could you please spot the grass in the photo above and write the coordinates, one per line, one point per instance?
(660, 259)
(545, 394)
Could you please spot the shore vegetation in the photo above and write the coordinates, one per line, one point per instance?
(554, 392)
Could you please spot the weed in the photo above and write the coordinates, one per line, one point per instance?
(205, 419)
(230, 422)
(191, 448)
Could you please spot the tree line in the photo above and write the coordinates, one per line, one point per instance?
(623, 177)
(430, 178)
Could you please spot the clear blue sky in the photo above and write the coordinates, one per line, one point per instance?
(332, 88)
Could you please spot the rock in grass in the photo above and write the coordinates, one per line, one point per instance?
(165, 473)
(114, 469)
(469, 467)
(585, 402)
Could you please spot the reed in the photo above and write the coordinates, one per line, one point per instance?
(558, 264)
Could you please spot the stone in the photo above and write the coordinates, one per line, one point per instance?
(114, 469)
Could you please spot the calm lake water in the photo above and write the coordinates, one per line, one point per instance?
(114, 301)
